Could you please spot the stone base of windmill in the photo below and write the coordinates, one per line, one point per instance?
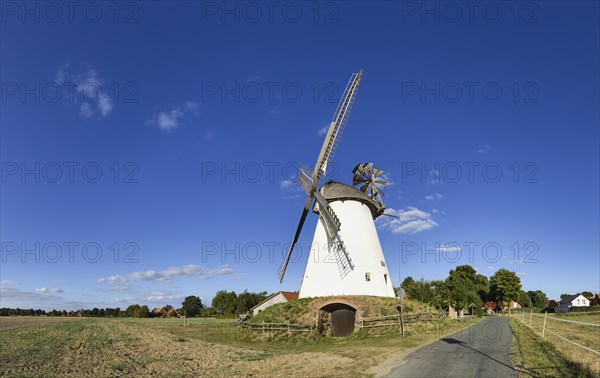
(335, 316)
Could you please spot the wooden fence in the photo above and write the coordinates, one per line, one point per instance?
(398, 321)
(266, 327)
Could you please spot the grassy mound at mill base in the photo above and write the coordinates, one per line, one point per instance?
(304, 311)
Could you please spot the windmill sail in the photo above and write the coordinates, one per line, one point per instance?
(338, 123)
(309, 184)
(371, 181)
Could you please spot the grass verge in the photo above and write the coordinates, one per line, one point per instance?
(535, 357)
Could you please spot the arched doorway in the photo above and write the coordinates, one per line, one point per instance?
(342, 318)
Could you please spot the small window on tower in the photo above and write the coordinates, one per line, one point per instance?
(382, 263)
(385, 278)
(368, 276)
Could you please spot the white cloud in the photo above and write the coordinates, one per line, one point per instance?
(61, 75)
(116, 283)
(436, 176)
(149, 275)
(291, 187)
(160, 296)
(17, 297)
(286, 184)
(190, 106)
(90, 86)
(409, 221)
(8, 282)
(387, 177)
(448, 248)
(487, 148)
(169, 120)
(433, 197)
(105, 104)
(323, 130)
(86, 110)
(45, 290)
(126, 300)
(167, 275)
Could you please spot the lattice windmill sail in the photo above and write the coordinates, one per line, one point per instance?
(310, 180)
(346, 256)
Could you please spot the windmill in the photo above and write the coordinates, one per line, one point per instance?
(346, 251)
(370, 179)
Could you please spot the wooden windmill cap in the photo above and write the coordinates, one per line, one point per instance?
(336, 191)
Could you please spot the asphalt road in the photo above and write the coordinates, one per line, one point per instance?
(481, 350)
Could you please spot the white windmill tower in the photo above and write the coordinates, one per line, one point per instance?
(345, 257)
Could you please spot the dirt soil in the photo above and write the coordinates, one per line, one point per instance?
(124, 349)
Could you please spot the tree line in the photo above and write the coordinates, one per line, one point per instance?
(225, 303)
(464, 286)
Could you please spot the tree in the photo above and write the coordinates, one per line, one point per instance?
(191, 306)
(225, 302)
(207, 312)
(523, 298)
(144, 312)
(408, 285)
(587, 294)
(441, 294)
(421, 290)
(464, 286)
(246, 300)
(132, 310)
(538, 298)
(505, 286)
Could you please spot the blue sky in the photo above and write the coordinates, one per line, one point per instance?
(148, 150)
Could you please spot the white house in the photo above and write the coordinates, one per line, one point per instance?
(279, 297)
(569, 301)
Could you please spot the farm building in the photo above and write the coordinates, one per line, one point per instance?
(454, 313)
(161, 312)
(490, 307)
(513, 305)
(279, 297)
(569, 301)
(595, 300)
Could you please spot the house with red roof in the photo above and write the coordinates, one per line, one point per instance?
(490, 307)
(161, 312)
(279, 297)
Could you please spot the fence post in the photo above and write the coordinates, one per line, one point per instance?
(402, 321)
(544, 326)
(530, 315)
